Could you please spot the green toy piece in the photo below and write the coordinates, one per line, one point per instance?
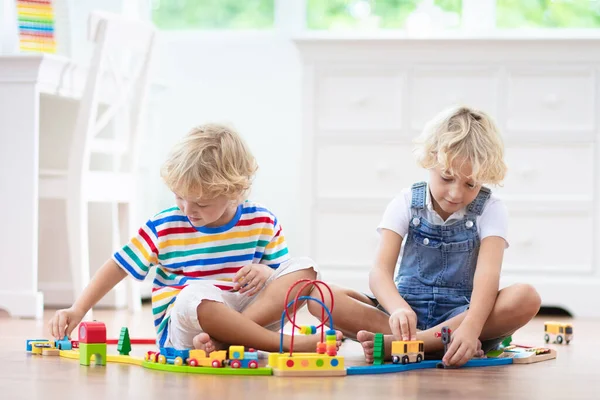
(86, 350)
(378, 351)
(124, 345)
(507, 341)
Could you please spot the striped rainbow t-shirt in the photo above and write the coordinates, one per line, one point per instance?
(183, 253)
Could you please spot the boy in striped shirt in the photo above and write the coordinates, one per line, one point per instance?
(222, 263)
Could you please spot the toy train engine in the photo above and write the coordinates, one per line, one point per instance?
(238, 358)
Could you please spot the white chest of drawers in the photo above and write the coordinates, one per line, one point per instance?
(366, 99)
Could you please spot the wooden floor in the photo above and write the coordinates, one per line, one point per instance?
(573, 375)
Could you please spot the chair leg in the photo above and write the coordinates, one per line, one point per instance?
(77, 233)
(134, 292)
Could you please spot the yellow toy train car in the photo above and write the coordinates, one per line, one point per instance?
(558, 332)
(410, 351)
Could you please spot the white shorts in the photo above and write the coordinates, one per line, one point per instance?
(184, 324)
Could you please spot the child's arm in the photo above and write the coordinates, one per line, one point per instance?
(107, 277)
(403, 320)
(486, 282)
(485, 291)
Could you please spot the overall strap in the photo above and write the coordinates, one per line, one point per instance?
(419, 194)
(476, 206)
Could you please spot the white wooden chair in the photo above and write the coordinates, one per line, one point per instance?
(123, 52)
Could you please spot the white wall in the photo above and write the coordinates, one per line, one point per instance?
(252, 81)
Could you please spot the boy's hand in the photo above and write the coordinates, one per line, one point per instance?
(64, 321)
(251, 278)
(463, 346)
(403, 323)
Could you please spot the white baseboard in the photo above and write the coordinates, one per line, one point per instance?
(23, 304)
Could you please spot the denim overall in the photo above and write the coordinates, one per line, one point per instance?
(436, 272)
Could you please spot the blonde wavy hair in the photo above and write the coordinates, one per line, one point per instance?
(210, 161)
(462, 135)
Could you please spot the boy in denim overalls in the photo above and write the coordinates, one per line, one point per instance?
(448, 237)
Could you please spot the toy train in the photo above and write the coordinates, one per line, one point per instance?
(238, 358)
(409, 351)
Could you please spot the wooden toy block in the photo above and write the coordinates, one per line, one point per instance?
(306, 364)
(92, 332)
(86, 350)
(278, 372)
(378, 349)
(124, 345)
(50, 352)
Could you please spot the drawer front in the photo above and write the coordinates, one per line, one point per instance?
(359, 100)
(549, 171)
(551, 100)
(550, 242)
(433, 90)
(358, 171)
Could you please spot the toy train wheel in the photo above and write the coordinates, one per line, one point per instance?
(559, 339)
(178, 361)
(236, 364)
(419, 358)
(162, 359)
(546, 338)
(253, 364)
(216, 364)
(193, 362)
(405, 360)
(395, 359)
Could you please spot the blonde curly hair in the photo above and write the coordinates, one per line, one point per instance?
(210, 161)
(462, 135)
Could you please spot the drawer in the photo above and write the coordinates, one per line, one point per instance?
(549, 170)
(359, 100)
(543, 100)
(434, 89)
(357, 171)
(550, 241)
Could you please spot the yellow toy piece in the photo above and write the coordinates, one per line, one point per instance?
(198, 358)
(558, 332)
(409, 351)
(37, 347)
(306, 364)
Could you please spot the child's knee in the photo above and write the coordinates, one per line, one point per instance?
(315, 308)
(526, 301)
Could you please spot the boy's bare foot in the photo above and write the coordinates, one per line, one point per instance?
(308, 344)
(204, 342)
(367, 338)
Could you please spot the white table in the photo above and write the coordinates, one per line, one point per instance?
(23, 78)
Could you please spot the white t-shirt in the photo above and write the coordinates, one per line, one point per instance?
(493, 221)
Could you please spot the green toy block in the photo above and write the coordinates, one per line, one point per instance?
(86, 350)
(124, 345)
(378, 350)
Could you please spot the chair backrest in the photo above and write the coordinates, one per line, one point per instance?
(115, 93)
